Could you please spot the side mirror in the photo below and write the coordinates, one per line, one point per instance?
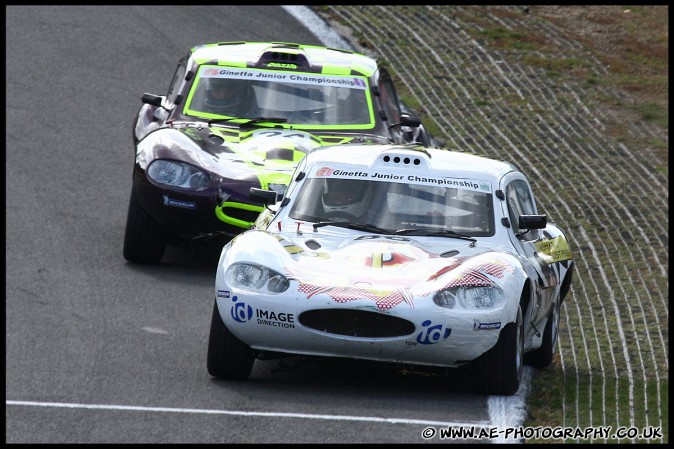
(265, 197)
(154, 100)
(533, 221)
(407, 119)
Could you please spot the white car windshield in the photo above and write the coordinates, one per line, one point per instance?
(294, 98)
(397, 205)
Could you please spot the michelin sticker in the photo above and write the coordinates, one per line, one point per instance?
(477, 325)
(179, 203)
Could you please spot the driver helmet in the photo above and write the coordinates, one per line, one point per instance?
(224, 94)
(346, 195)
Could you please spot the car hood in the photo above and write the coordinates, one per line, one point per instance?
(386, 269)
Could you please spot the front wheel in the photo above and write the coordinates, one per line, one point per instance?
(144, 240)
(228, 357)
(499, 370)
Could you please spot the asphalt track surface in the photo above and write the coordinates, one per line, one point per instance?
(102, 351)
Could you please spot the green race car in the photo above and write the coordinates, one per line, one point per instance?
(243, 114)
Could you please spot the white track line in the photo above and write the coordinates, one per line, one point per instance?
(201, 411)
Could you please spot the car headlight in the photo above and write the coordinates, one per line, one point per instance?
(177, 174)
(470, 297)
(248, 276)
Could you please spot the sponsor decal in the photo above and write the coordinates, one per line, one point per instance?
(275, 319)
(223, 293)
(241, 312)
(275, 76)
(433, 333)
(553, 250)
(327, 171)
(387, 176)
(459, 183)
(324, 171)
(282, 65)
(353, 83)
(296, 78)
(179, 203)
(477, 325)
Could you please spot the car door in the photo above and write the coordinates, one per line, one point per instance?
(519, 200)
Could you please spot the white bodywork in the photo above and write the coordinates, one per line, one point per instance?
(330, 267)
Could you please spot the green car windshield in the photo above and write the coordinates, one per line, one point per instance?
(306, 100)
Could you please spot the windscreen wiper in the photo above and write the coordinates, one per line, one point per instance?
(254, 121)
(353, 225)
(210, 121)
(250, 121)
(434, 232)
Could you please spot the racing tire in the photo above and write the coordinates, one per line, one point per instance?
(144, 240)
(542, 356)
(228, 357)
(499, 370)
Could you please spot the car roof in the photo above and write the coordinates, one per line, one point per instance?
(412, 159)
(312, 58)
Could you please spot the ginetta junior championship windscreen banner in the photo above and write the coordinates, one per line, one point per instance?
(317, 79)
(407, 178)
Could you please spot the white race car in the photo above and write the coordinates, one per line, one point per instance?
(395, 253)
